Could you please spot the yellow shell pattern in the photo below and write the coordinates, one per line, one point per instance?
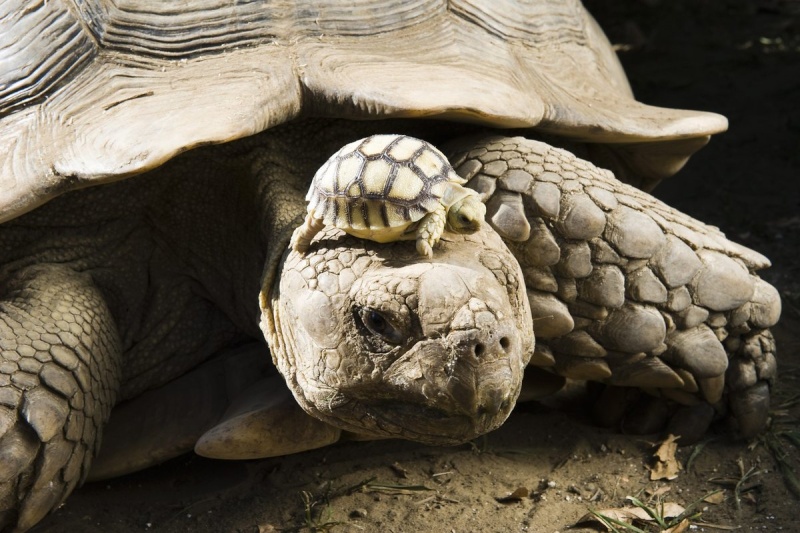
(382, 181)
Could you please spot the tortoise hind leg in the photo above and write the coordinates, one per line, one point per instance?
(59, 373)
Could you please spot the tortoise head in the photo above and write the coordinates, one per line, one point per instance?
(467, 214)
(373, 339)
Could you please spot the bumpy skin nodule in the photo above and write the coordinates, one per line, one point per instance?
(626, 290)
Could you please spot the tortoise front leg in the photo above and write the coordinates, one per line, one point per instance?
(59, 373)
(627, 291)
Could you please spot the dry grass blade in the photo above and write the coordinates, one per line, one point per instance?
(740, 488)
(611, 518)
(398, 470)
(666, 517)
(479, 445)
(390, 488)
(783, 438)
(739, 484)
(696, 451)
(792, 435)
(682, 526)
(314, 519)
(721, 527)
(358, 487)
(789, 402)
(773, 441)
(661, 512)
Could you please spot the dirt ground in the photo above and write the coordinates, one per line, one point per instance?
(736, 57)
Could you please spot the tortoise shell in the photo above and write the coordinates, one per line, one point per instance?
(95, 91)
(382, 181)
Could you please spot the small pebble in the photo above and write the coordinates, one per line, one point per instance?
(358, 513)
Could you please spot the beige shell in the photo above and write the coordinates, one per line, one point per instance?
(93, 93)
(383, 181)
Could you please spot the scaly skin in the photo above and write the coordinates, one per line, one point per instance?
(442, 343)
(627, 291)
(59, 380)
(161, 272)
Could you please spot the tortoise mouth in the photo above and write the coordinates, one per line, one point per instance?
(429, 425)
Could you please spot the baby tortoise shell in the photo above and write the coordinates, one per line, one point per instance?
(387, 188)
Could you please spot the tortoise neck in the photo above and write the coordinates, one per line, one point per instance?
(282, 207)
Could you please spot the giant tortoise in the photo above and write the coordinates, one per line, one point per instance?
(143, 290)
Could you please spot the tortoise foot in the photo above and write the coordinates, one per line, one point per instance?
(58, 380)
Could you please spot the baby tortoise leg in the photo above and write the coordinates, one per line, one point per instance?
(59, 373)
(429, 231)
(629, 292)
(302, 236)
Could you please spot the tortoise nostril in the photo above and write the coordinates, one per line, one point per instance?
(479, 349)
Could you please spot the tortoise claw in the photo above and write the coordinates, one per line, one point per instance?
(424, 248)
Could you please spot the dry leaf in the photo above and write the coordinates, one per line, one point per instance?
(715, 497)
(660, 491)
(666, 466)
(680, 528)
(516, 496)
(665, 509)
(750, 498)
(629, 514)
(624, 514)
(670, 509)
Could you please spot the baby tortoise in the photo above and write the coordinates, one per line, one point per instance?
(387, 188)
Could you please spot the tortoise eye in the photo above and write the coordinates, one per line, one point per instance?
(377, 324)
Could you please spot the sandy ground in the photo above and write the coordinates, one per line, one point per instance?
(739, 58)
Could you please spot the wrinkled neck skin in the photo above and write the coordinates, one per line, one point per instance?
(374, 339)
